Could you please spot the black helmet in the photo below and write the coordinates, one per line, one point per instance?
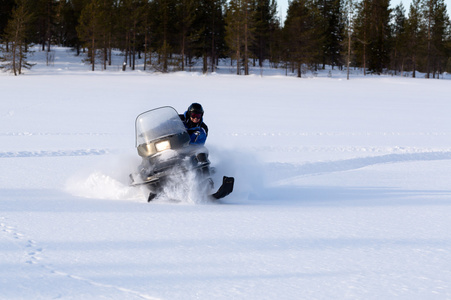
(195, 108)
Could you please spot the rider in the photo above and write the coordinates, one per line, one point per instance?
(193, 120)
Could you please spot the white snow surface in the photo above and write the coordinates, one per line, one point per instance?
(342, 187)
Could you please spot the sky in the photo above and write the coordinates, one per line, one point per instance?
(283, 6)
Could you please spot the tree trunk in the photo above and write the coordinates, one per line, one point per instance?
(429, 40)
(13, 47)
(20, 58)
(246, 53)
(238, 58)
(145, 50)
(349, 54)
(205, 64)
(93, 54)
(183, 51)
(213, 52)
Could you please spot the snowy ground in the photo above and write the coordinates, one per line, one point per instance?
(342, 188)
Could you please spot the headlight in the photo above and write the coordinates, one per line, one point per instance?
(161, 146)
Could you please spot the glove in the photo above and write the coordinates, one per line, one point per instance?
(197, 134)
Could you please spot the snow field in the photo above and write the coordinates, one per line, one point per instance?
(342, 188)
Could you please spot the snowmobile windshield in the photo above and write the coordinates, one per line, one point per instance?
(158, 123)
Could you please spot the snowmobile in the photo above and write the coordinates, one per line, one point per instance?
(163, 143)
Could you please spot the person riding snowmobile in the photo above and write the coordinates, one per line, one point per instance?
(163, 139)
(193, 121)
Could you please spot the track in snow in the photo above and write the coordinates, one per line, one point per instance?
(44, 153)
(288, 170)
(32, 257)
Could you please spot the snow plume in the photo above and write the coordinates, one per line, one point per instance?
(108, 180)
(102, 186)
(248, 170)
(185, 187)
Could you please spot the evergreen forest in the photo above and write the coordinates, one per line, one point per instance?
(173, 35)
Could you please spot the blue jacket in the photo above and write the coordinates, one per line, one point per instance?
(197, 132)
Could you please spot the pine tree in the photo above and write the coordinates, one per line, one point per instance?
(275, 51)
(348, 16)
(209, 32)
(333, 30)
(361, 36)
(240, 31)
(301, 36)
(44, 21)
(137, 12)
(90, 29)
(164, 21)
(145, 29)
(436, 20)
(15, 57)
(265, 18)
(6, 7)
(373, 33)
(380, 36)
(70, 19)
(414, 35)
(186, 13)
(107, 31)
(399, 50)
(234, 31)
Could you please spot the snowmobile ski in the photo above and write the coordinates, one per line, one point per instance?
(225, 189)
(151, 197)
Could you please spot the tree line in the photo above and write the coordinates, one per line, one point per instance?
(176, 34)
